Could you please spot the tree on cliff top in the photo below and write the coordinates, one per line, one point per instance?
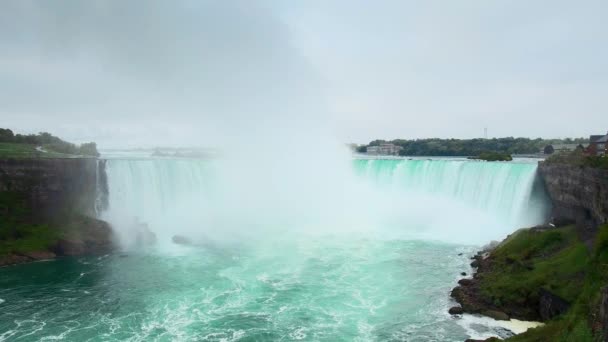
(50, 142)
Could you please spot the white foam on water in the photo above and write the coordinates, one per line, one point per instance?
(468, 322)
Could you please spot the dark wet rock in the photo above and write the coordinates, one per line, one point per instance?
(475, 263)
(92, 237)
(497, 315)
(459, 254)
(181, 240)
(463, 274)
(456, 310)
(551, 305)
(13, 259)
(39, 255)
(465, 282)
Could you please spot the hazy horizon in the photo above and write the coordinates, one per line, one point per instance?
(192, 73)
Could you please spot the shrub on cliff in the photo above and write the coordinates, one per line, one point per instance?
(89, 149)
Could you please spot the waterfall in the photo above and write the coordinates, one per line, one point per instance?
(505, 190)
(452, 200)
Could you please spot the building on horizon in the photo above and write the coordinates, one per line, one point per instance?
(598, 145)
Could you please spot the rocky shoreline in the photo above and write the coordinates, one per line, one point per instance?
(85, 237)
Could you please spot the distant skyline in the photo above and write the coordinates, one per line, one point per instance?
(185, 73)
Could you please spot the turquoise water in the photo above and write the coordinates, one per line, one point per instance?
(266, 281)
(309, 290)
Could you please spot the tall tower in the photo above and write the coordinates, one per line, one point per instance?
(485, 132)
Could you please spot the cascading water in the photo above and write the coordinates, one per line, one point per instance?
(370, 257)
(440, 199)
(505, 192)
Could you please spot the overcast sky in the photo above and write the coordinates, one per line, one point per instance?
(148, 73)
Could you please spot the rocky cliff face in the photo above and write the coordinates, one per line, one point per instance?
(48, 207)
(578, 194)
(56, 187)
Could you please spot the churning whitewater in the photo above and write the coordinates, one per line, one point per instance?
(373, 264)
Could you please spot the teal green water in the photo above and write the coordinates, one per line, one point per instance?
(322, 290)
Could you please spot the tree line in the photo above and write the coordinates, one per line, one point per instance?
(471, 147)
(49, 142)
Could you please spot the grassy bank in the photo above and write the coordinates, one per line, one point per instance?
(18, 151)
(580, 322)
(554, 260)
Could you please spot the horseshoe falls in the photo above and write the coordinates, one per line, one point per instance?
(370, 255)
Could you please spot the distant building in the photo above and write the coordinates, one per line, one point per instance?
(384, 149)
(561, 148)
(598, 145)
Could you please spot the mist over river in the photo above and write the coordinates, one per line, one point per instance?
(367, 255)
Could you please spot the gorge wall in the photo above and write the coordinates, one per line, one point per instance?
(578, 194)
(48, 207)
(55, 187)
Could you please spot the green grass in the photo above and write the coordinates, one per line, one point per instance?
(531, 260)
(28, 238)
(18, 233)
(19, 151)
(577, 323)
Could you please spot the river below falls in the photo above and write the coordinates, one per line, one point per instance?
(330, 289)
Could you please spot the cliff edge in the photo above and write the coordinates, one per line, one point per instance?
(48, 208)
(579, 195)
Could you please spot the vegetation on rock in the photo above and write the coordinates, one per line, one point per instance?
(472, 147)
(578, 158)
(493, 156)
(536, 261)
(25, 146)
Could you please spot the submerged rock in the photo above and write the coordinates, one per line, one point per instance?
(463, 274)
(456, 310)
